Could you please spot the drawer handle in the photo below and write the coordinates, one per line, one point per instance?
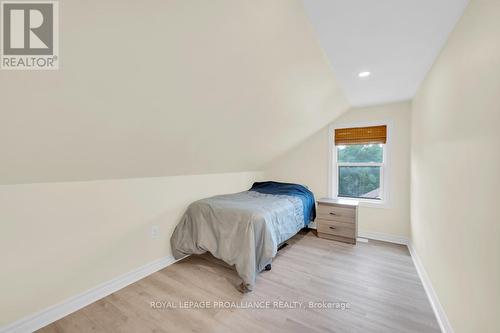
(332, 228)
(332, 213)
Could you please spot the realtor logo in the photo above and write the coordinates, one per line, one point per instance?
(30, 36)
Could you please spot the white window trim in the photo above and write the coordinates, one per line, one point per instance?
(386, 174)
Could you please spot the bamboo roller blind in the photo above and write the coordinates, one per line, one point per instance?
(361, 135)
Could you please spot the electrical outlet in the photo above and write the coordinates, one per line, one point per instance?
(155, 231)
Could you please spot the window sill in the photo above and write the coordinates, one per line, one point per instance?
(366, 202)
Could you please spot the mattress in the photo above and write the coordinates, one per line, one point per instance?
(243, 229)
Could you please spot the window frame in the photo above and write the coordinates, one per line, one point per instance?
(333, 168)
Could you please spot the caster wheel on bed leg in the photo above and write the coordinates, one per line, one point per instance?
(268, 267)
(244, 288)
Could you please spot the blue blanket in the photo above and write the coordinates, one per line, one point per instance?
(296, 190)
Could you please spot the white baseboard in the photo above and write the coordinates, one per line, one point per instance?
(384, 237)
(441, 316)
(38, 320)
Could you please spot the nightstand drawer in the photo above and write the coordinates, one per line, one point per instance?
(336, 228)
(336, 213)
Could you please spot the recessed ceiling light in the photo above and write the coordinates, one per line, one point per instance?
(364, 75)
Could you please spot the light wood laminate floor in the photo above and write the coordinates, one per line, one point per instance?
(378, 281)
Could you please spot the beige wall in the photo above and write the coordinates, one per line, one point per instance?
(308, 164)
(161, 88)
(455, 172)
(149, 88)
(61, 239)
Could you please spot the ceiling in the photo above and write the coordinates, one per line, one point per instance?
(189, 87)
(396, 40)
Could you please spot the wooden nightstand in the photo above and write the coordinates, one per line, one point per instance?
(337, 220)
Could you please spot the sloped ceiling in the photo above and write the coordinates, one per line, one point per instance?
(161, 88)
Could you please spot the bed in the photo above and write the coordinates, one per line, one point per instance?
(245, 229)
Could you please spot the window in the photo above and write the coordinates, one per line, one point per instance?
(360, 171)
(359, 163)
